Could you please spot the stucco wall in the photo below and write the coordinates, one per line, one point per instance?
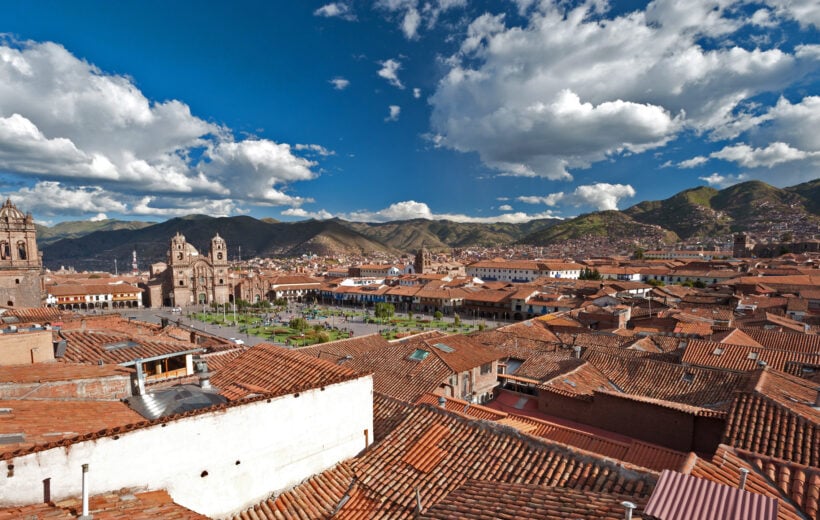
(24, 347)
(216, 463)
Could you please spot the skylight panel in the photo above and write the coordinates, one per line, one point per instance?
(419, 355)
(120, 344)
(444, 348)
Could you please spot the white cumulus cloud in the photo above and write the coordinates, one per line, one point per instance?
(336, 10)
(70, 125)
(394, 111)
(339, 83)
(574, 85)
(410, 209)
(723, 181)
(390, 72)
(601, 196)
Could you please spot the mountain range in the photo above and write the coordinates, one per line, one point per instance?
(702, 214)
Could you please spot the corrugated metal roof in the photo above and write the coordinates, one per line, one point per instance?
(683, 497)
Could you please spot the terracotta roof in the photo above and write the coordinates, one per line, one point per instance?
(785, 340)
(47, 421)
(535, 330)
(798, 482)
(735, 337)
(315, 498)
(36, 314)
(125, 504)
(43, 372)
(336, 351)
(777, 418)
(476, 411)
(724, 467)
(693, 386)
(397, 375)
(745, 358)
(436, 452)
(267, 368)
(387, 414)
(590, 339)
(487, 500)
(86, 289)
(114, 348)
(684, 497)
(219, 359)
(542, 366)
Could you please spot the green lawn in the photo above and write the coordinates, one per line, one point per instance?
(390, 328)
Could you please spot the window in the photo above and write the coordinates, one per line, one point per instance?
(21, 250)
(486, 368)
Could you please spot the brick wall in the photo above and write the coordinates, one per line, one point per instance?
(106, 388)
(645, 421)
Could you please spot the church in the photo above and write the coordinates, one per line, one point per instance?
(190, 278)
(21, 264)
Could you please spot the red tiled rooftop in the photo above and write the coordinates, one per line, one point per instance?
(724, 467)
(745, 357)
(92, 346)
(43, 422)
(148, 505)
(487, 500)
(44, 372)
(267, 368)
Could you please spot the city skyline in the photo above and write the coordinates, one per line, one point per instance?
(398, 109)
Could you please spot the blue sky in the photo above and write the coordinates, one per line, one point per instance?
(395, 109)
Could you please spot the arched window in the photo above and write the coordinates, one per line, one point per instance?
(5, 250)
(21, 250)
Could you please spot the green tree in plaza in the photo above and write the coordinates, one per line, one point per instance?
(384, 310)
(438, 315)
(299, 324)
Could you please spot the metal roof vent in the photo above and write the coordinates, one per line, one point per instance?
(744, 474)
(203, 373)
(628, 507)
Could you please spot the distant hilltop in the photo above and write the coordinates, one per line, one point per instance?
(765, 213)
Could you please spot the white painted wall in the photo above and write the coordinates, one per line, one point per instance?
(276, 444)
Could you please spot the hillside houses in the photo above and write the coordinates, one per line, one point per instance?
(593, 393)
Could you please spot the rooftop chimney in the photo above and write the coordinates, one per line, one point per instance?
(628, 507)
(442, 401)
(576, 352)
(204, 374)
(744, 473)
(85, 515)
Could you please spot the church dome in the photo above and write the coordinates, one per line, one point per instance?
(11, 212)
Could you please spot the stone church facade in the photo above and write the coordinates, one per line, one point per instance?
(191, 278)
(21, 263)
